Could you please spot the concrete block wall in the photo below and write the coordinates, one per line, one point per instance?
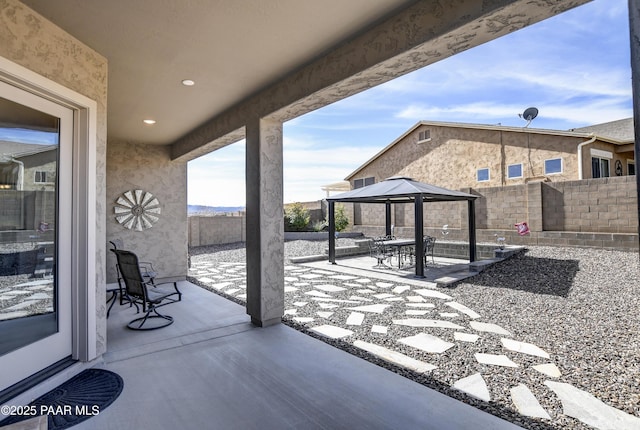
(216, 230)
(607, 205)
(599, 213)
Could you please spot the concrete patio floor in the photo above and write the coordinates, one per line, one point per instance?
(213, 369)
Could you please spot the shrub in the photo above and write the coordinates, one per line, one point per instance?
(340, 218)
(319, 225)
(296, 217)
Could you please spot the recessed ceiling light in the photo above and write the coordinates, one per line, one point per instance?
(149, 121)
(188, 82)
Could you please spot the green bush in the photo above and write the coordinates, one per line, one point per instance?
(340, 217)
(296, 217)
(319, 225)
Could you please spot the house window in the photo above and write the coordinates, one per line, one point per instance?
(41, 177)
(514, 171)
(553, 165)
(363, 182)
(599, 167)
(631, 167)
(424, 136)
(483, 175)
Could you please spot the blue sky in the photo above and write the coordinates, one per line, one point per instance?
(574, 68)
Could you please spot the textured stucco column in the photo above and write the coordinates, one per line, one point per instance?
(265, 222)
(634, 30)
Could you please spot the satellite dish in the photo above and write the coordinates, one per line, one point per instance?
(529, 115)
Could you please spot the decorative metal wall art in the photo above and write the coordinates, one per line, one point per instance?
(137, 210)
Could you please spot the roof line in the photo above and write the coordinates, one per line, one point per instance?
(485, 127)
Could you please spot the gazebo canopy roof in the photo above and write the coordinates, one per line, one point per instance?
(400, 189)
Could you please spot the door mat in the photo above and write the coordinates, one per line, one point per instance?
(85, 395)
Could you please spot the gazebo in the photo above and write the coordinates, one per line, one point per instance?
(399, 189)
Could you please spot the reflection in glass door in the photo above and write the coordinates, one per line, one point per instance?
(35, 201)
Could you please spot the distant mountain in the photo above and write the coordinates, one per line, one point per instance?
(198, 209)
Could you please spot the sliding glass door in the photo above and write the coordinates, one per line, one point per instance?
(36, 137)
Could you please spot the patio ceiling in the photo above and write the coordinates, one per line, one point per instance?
(255, 58)
(231, 49)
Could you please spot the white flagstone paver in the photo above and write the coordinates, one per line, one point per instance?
(206, 280)
(432, 293)
(11, 315)
(401, 289)
(395, 357)
(355, 318)
(421, 305)
(221, 285)
(524, 348)
(289, 289)
(34, 283)
(365, 291)
(383, 296)
(465, 337)
(495, 360)
(324, 314)
(21, 305)
(315, 293)
(549, 369)
(427, 342)
(384, 284)
(475, 386)
(360, 299)
(327, 306)
(242, 296)
(488, 327)
(416, 312)
(332, 331)
(526, 403)
(449, 315)
(311, 276)
(363, 280)
(324, 299)
(300, 304)
(301, 284)
(303, 319)
(590, 410)
(343, 277)
(394, 299)
(232, 290)
(290, 311)
(415, 299)
(377, 308)
(290, 279)
(329, 288)
(381, 329)
(463, 309)
(419, 322)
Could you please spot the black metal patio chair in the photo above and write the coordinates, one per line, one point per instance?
(143, 292)
(379, 251)
(428, 245)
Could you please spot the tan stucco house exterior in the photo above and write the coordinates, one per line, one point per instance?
(458, 155)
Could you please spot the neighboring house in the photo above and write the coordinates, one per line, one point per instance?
(457, 155)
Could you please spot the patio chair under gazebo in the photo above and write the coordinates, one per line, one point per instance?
(398, 189)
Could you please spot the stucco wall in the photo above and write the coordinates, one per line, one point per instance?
(453, 155)
(28, 39)
(149, 168)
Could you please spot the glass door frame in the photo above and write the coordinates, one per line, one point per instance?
(83, 249)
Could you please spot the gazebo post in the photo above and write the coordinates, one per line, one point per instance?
(332, 232)
(419, 216)
(472, 230)
(387, 217)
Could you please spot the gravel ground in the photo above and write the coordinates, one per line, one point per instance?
(580, 305)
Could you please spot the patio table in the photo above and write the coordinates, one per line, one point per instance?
(399, 244)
